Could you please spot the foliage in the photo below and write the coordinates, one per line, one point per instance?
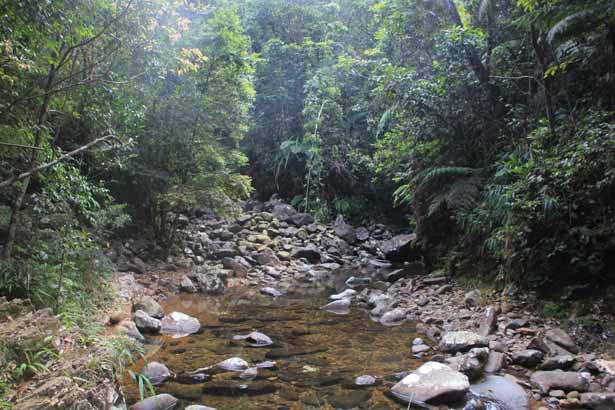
(145, 385)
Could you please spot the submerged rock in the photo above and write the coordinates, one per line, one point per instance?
(229, 388)
(234, 364)
(159, 402)
(255, 339)
(340, 307)
(179, 324)
(432, 383)
(199, 407)
(347, 294)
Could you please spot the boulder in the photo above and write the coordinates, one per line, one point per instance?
(529, 358)
(179, 324)
(302, 219)
(400, 248)
(158, 402)
(211, 283)
(149, 306)
(567, 381)
(186, 285)
(561, 338)
(362, 234)
(502, 390)
(495, 362)
(283, 212)
(471, 364)
(461, 341)
(129, 329)
(346, 232)
(394, 317)
(488, 322)
(156, 372)
(146, 323)
(598, 401)
(561, 362)
(432, 383)
(309, 253)
(238, 268)
(267, 257)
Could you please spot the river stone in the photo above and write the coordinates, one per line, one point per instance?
(561, 362)
(461, 341)
(156, 372)
(362, 233)
(146, 323)
(567, 381)
(471, 364)
(283, 212)
(528, 358)
(187, 285)
(488, 322)
(432, 383)
(267, 257)
(255, 339)
(234, 364)
(340, 307)
(598, 401)
(495, 362)
(399, 248)
(249, 374)
(347, 294)
(238, 269)
(211, 283)
(561, 338)
(159, 402)
(274, 293)
(309, 253)
(504, 391)
(365, 380)
(129, 329)
(266, 365)
(394, 317)
(179, 324)
(149, 306)
(302, 219)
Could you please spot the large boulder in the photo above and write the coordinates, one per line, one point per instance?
(400, 248)
(149, 306)
(503, 390)
(432, 383)
(146, 323)
(310, 253)
(561, 338)
(461, 341)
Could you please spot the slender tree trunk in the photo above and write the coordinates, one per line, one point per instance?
(542, 62)
(38, 140)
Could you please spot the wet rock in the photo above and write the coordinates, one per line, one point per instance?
(341, 306)
(234, 364)
(255, 339)
(146, 323)
(149, 306)
(211, 283)
(347, 294)
(159, 402)
(227, 388)
(562, 362)
(504, 391)
(129, 329)
(274, 293)
(488, 321)
(199, 407)
(394, 317)
(561, 338)
(238, 269)
(548, 380)
(461, 341)
(471, 364)
(266, 365)
(598, 401)
(346, 232)
(399, 248)
(432, 383)
(179, 324)
(548, 347)
(517, 323)
(156, 372)
(309, 253)
(192, 378)
(365, 380)
(422, 348)
(186, 285)
(528, 358)
(249, 374)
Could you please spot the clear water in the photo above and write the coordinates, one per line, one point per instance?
(325, 353)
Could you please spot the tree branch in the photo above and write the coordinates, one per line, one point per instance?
(12, 180)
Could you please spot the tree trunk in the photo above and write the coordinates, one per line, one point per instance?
(38, 140)
(542, 62)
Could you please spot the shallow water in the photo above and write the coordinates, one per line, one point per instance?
(318, 354)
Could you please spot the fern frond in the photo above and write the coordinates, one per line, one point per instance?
(385, 119)
(569, 24)
(439, 174)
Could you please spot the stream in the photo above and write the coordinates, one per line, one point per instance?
(318, 354)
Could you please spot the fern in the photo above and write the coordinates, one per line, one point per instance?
(570, 23)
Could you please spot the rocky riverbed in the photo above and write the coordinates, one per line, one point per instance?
(270, 310)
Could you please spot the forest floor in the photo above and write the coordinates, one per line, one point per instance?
(500, 347)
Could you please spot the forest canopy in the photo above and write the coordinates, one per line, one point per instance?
(487, 127)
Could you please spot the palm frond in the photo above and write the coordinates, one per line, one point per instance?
(385, 119)
(435, 175)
